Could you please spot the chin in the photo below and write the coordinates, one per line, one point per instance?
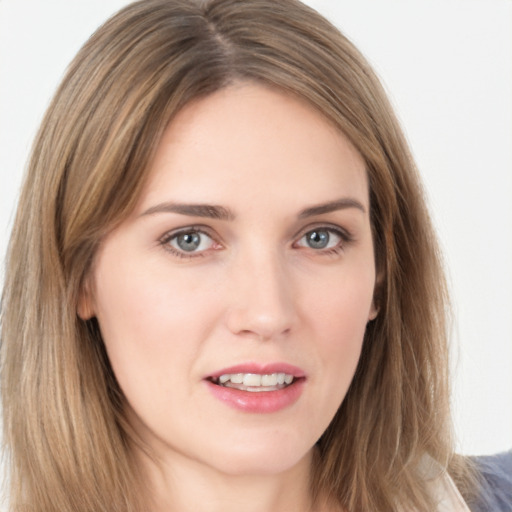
(260, 458)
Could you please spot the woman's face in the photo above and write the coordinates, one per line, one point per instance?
(248, 263)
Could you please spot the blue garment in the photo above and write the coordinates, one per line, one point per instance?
(496, 475)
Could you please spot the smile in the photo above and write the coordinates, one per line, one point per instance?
(256, 388)
(254, 382)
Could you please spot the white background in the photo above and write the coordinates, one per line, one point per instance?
(447, 65)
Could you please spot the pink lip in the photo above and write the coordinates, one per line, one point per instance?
(262, 401)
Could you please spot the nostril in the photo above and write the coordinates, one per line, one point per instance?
(263, 335)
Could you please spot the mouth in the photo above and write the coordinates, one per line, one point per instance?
(258, 388)
(255, 382)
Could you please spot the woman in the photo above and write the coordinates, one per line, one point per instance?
(230, 292)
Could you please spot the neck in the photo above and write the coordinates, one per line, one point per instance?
(188, 486)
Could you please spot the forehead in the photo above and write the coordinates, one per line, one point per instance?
(248, 142)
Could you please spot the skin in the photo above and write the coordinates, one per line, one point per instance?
(254, 290)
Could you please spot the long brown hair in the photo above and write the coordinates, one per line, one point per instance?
(67, 438)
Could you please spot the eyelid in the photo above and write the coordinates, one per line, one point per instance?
(344, 233)
(184, 229)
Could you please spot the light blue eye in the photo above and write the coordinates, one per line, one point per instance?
(320, 238)
(191, 241)
(188, 241)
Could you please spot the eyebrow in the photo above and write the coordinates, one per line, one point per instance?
(194, 210)
(339, 204)
(211, 211)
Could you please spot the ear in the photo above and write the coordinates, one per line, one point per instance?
(377, 290)
(374, 311)
(85, 306)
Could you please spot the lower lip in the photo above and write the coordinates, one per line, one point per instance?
(260, 401)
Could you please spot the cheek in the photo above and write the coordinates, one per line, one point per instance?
(341, 306)
(149, 322)
(341, 343)
(338, 316)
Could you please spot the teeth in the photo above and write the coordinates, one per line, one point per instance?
(269, 380)
(252, 379)
(255, 380)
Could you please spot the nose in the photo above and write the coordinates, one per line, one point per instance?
(263, 304)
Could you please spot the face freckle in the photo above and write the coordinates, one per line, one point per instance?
(249, 253)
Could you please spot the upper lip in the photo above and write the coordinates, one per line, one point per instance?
(263, 369)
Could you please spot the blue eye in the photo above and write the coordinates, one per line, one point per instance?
(321, 238)
(191, 241)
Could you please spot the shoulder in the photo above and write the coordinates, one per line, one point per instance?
(495, 494)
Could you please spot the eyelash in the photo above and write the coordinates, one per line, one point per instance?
(345, 239)
(165, 241)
